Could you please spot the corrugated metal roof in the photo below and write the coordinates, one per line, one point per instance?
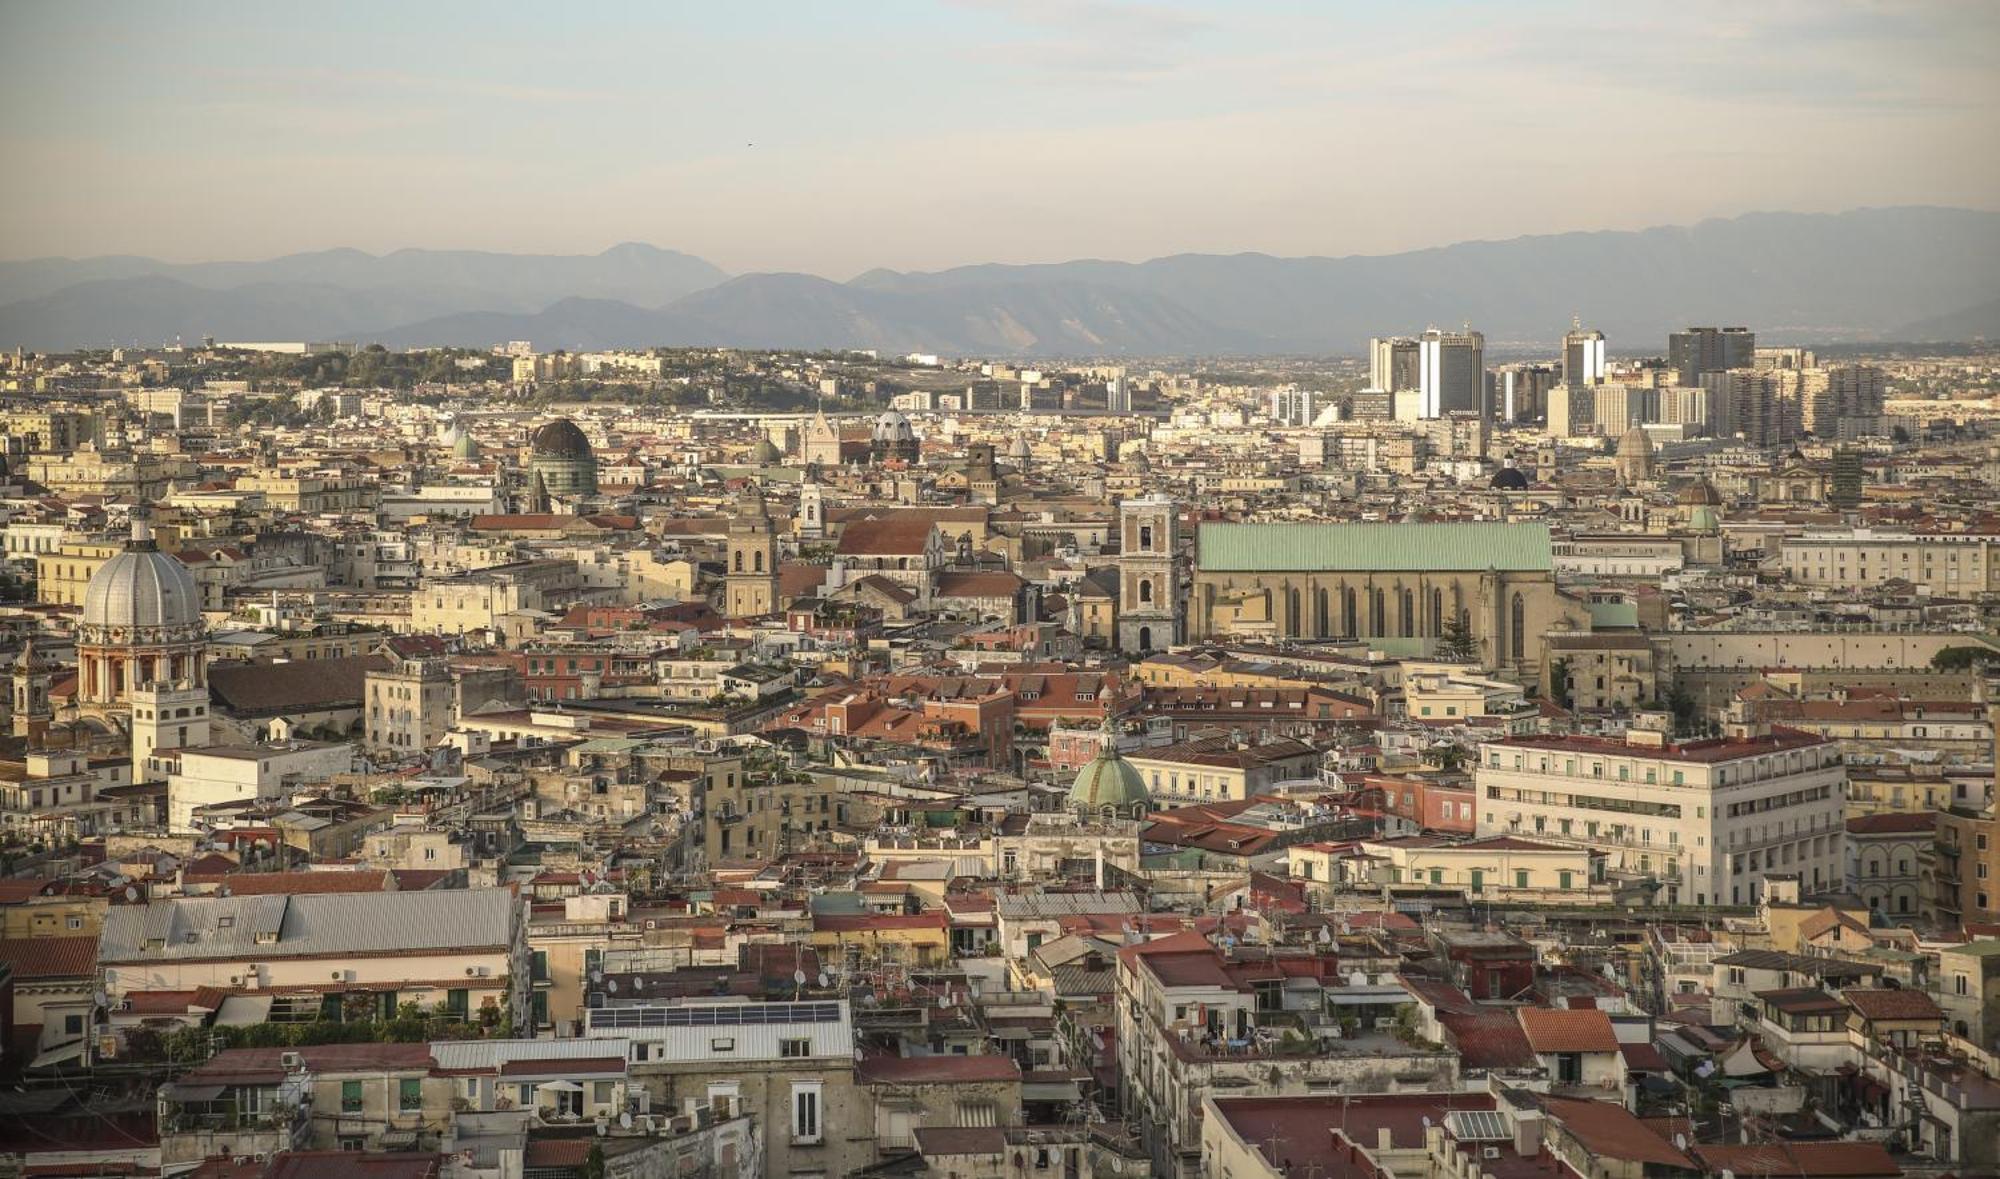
(1304, 548)
(476, 1055)
(829, 1038)
(203, 928)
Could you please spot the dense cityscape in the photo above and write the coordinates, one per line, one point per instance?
(1000, 589)
(759, 764)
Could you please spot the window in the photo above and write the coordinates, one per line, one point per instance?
(795, 1047)
(1959, 984)
(350, 1097)
(410, 1094)
(805, 1113)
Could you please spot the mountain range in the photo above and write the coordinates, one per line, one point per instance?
(1903, 274)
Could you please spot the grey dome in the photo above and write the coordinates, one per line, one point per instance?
(1509, 479)
(893, 427)
(142, 587)
(561, 439)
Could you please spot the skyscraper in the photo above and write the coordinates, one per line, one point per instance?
(1451, 373)
(1583, 355)
(1392, 363)
(1701, 350)
(1518, 392)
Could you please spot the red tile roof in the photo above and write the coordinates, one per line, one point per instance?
(1779, 1160)
(50, 957)
(1568, 1031)
(938, 1070)
(258, 884)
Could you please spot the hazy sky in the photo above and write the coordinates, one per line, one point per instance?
(834, 136)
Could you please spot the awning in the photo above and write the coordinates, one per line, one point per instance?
(1050, 1091)
(243, 1010)
(185, 1094)
(1011, 1034)
(559, 1087)
(71, 1051)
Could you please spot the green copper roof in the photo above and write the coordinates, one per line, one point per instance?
(1363, 548)
(1109, 780)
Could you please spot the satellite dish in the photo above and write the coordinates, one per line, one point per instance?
(799, 977)
(131, 893)
(611, 985)
(603, 1128)
(625, 1120)
(824, 981)
(1680, 1142)
(858, 1056)
(597, 976)
(639, 983)
(1427, 1121)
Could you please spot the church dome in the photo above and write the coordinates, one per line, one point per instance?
(1704, 520)
(141, 587)
(1635, 444)
(1109, 781)
(1019, 450)
(1509, 479)
(561, 439)
(765, 453)
(1700, 493)
(893, 427)
(464, 447)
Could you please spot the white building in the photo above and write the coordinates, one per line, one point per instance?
(199, 778)
(1709, 819)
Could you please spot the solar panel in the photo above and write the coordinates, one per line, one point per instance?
(1477, 1125)
(714, 1015)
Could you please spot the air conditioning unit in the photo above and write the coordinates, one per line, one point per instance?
(292, 1060)
(471, 971)
(1491, 1152)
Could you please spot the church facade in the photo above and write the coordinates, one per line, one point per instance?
(1398, 584)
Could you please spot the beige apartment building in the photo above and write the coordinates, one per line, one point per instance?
(1710, 819)
(110, 473)
(61, 576)
(1859, 558)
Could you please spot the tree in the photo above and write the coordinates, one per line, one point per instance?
(1559, 683)
(593, 1163)
(1446, 757)
(1457, 644)
(1963, 658)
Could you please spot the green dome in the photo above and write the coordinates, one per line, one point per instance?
(1703, 520)
(1110, 781)
(765, 453)
(464, 447)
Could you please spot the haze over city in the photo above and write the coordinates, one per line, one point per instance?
(1000, 589)
(832, 139)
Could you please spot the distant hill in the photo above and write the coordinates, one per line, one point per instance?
(1972, 323)
(1870, 274)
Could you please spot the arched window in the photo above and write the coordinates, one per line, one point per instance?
(1292, 612)
(1320, 618)
(1146, 589)
(757, 560)
(1378, 621)
(1517, 628)
(1146, 538)
(1348, 614)
(1409, 613)
(739, 560)
(1437, 611)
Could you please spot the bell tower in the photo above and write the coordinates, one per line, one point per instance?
(750, 588)
(1151, 612)
(31, 707)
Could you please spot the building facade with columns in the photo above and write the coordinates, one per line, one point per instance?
(141, 625)
(1399, 584)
